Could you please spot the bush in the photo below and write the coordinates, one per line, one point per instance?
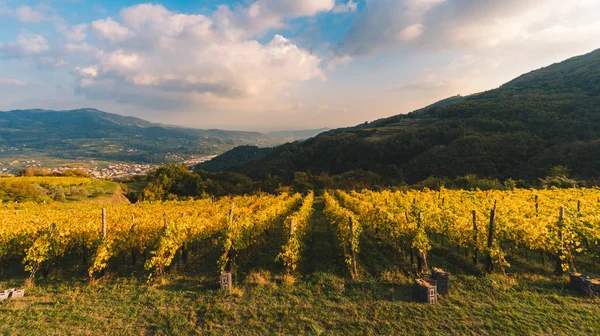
(96, 192)
(78, 192)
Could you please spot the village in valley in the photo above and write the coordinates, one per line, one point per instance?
(96, 169)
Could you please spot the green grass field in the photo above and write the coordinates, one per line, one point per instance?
(320, 299)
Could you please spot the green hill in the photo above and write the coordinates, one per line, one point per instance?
(89, 133)
(545, 118)
(234, 157)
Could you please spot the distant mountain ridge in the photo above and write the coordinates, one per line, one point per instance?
(90, 133)
(297, 135)
(520, 130)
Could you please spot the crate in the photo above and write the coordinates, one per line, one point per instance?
(18, 294)
(226, 281)
(426, 290)
(442, 279)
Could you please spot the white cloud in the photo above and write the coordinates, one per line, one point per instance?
(349, 7)
(411, 32)
(158, 58)
(27, 44)
(76, 33)
(12, 82)
(27, 14)
(461, 24)
(263, 15)
(337, 61)
(111, 30)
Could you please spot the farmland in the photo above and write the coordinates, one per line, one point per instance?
(154, 267)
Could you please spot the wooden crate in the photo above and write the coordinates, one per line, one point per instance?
(426, 290)
(226, 281)
(443, 280)
(18, 294)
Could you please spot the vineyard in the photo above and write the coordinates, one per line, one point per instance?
(559, 225)
(359, 239)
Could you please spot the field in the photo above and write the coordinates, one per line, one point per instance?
(43, 189)
(340, 263)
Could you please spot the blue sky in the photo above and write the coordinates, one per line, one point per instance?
(277, 64)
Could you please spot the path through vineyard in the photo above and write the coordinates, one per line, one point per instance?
(322, 252)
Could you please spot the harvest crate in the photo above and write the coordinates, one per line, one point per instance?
(443, 280)
(12, 293)
(18, 294)
(426, 290)
(226, 281)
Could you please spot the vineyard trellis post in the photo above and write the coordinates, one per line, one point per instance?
(489, 263)
(422, 256)
(351, 246)
(476, 250)
(292, 227)
(558, 270)
(228, 265)
(103, 223)
(132, 231)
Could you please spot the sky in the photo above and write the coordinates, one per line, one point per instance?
(277, 64)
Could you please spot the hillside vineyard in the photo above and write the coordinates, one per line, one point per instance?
(560, 224)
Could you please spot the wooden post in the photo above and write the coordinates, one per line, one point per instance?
(231, 214)
(490, 264)
(537, 205)
(561, 217)
(476, 251)
(352, 251)
(103, 223)
(420, 256)
(228, 265)
(292, 227)
(579, 206)
(132, 231)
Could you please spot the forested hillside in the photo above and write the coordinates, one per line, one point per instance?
(521, 130)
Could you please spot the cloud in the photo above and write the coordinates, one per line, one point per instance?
(154, 57)
(411, 32)
(263, 15)
(34, 48)
(27, 14)
(460, 24)
(349, 7)
(337, 61)
(111, 30)
(12, 82)
(27, 44)
(76, 33)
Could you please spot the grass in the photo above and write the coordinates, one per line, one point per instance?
(318, 300)
(319, 304)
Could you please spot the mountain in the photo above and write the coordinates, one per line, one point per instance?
(291, 136)
(520, 130)
(234, 157)
(243, 154)
(89, 133)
